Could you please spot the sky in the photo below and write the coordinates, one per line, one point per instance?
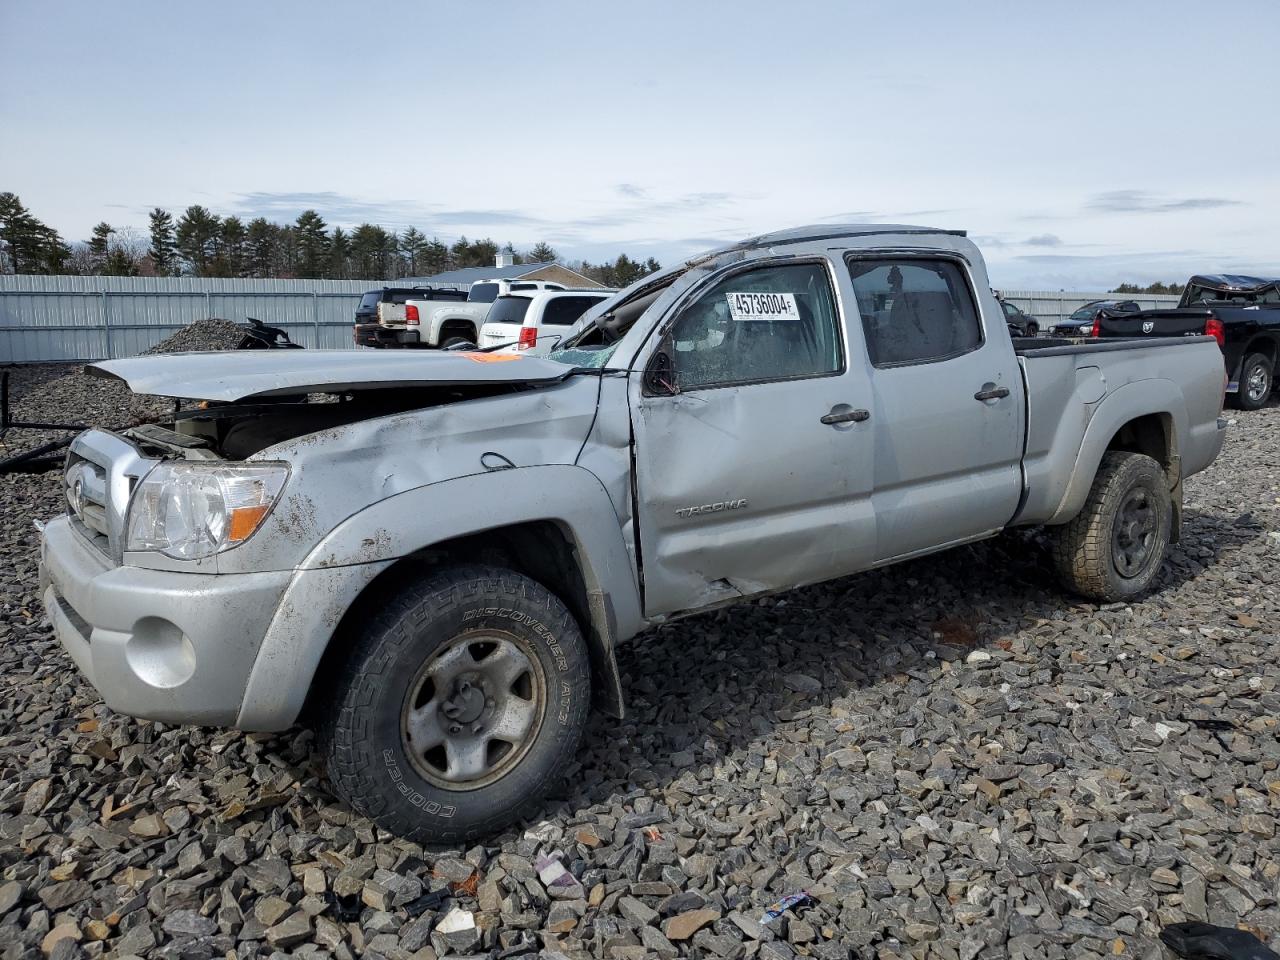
(1081, 144)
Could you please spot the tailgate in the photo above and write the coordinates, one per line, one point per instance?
(1155, 323)
(390, 314)
(492, 334)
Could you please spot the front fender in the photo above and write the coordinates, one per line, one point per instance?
(362, 546)
(1138, 399)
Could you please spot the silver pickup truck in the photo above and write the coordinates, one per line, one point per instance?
(434, 568)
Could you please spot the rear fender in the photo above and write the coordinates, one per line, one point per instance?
(1133, 400)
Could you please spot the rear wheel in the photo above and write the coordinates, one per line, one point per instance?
(460, 706)
(1114, 548)
(1255, 382)
(1033, 329)
(456, 338)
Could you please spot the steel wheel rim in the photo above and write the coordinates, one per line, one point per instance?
(1258, 383)
(473, 710)
(1134, 534)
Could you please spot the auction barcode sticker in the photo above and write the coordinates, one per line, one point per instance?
(763, 306)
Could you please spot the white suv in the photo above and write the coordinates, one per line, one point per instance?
(536, 321)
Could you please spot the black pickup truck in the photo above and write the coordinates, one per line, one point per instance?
(1241, 313)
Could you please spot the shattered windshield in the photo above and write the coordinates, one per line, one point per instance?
(594, 344)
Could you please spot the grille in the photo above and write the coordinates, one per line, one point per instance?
(102, 469)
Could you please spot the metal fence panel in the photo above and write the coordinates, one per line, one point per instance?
(92, 318)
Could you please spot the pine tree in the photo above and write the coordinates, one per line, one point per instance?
(339, 255)
(435, 258)
(118, 263)
(372, 249)
(198, 238)
(100, 246)
(413, 247)
(261, 243)
(164, 250)
(313, 244)
(542, 253)
(231, 247)
(26, 244)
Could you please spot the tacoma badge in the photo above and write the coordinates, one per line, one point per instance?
(717, 507)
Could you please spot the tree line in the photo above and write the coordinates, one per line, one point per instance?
(1132, 288)
(200, 243)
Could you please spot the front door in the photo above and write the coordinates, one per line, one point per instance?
(949, 405)
(754, 462)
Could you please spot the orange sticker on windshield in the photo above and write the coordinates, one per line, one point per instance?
(492, 357)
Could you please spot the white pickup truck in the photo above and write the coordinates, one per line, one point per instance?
(444, 323)
(535, 321)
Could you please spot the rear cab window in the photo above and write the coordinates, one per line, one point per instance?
(483, 293)
(914, 310)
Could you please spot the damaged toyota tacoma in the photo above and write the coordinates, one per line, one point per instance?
(432, 557)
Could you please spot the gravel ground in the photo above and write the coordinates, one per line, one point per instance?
(950, 757)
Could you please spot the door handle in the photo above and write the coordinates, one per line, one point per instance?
(995, 394)
(849, 416)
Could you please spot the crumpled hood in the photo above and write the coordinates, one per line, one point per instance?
(238, 375)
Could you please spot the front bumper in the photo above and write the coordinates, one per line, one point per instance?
(177, 647)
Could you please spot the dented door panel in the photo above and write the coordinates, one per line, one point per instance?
(744, 490)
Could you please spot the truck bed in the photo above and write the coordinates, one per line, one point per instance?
(1063, 346)
(1071, 382)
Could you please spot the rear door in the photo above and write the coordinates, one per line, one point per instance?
(756, 474)
(949, 412)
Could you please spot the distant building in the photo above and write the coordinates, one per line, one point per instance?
(504, 269)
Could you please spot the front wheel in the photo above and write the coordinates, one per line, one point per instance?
(1033, 329)
(460, 705)
(1255, 382)
(1115, 546)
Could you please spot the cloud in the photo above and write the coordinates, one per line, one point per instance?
(632, 191)
(1044, 240)
(335, 207)
(1139, 201)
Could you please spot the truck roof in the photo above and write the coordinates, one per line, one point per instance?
(1232, 281)
(825, 231)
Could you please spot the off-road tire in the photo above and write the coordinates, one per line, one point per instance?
(360, 735)
(453, 338)
(1084, 550)
(1241, 399)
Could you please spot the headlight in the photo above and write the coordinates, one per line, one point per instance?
(193, 510)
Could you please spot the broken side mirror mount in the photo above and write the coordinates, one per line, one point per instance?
(660, 375)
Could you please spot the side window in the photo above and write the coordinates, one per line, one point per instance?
(1010, 310)
(914, 311)
(771, 323)
(565, 311)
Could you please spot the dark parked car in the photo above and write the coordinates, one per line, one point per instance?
(1241, 313)
(1080, 323)
(1020, 324)
(366, 332)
